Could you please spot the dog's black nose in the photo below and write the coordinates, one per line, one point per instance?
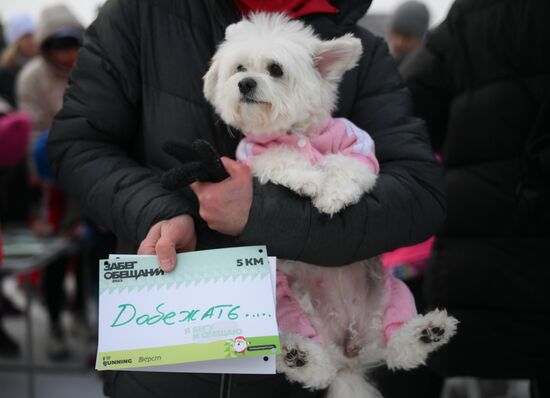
(247, 85)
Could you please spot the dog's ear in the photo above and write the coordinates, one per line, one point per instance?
(211, 80)
(334, 57)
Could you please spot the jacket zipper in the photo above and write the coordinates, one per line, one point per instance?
(225, 386)
(229, 379)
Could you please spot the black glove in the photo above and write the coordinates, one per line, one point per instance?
(200, 162)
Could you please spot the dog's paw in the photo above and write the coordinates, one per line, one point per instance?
(438, 328)
(335, 195)
(295, 358)
(432, 334)
(410, 345)
(305, 361)
(330, 204)
(307, 187)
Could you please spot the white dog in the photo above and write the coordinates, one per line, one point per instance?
(277, 82)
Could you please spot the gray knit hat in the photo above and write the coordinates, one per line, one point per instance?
(410, 18)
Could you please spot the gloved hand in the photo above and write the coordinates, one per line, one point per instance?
(200, 162)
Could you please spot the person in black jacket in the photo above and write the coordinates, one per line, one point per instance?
(482, 82)
(138, 84)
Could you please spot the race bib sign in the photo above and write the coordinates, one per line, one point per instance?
(215, 305)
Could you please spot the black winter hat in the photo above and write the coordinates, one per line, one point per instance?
(410, 18)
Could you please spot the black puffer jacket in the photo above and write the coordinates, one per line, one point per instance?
(482, 83)
(138, 83)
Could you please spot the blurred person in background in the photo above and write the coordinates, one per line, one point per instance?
(40, 87)
(407, 27)
(42, 81)
(482, 83)
(20, 49)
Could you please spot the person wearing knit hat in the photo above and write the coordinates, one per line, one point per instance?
(18, 33)
(18, 26)
(407, 28)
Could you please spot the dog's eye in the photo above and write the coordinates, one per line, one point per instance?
(275, 70)
(241, 68)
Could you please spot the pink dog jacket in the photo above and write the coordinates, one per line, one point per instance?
(400, 306)
(291, 318)
(337, 135)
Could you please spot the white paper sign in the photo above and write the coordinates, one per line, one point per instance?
(248, 365)
(216, 305)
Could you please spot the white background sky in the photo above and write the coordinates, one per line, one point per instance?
(86, 9)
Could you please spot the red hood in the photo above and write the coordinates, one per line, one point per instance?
(294, 8)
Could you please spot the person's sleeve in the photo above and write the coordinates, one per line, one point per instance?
(427, 76)
(406, 206)
(91, 136)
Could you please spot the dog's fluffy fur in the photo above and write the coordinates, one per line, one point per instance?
(344, 304)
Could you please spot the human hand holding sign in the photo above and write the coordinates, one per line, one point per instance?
(165, 238)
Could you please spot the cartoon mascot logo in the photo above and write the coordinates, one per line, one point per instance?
(240, 344)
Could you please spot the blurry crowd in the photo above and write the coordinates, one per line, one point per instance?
(34, 71)
(487, 110)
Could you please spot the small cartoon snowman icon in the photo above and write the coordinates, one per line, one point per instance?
(240, 344)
